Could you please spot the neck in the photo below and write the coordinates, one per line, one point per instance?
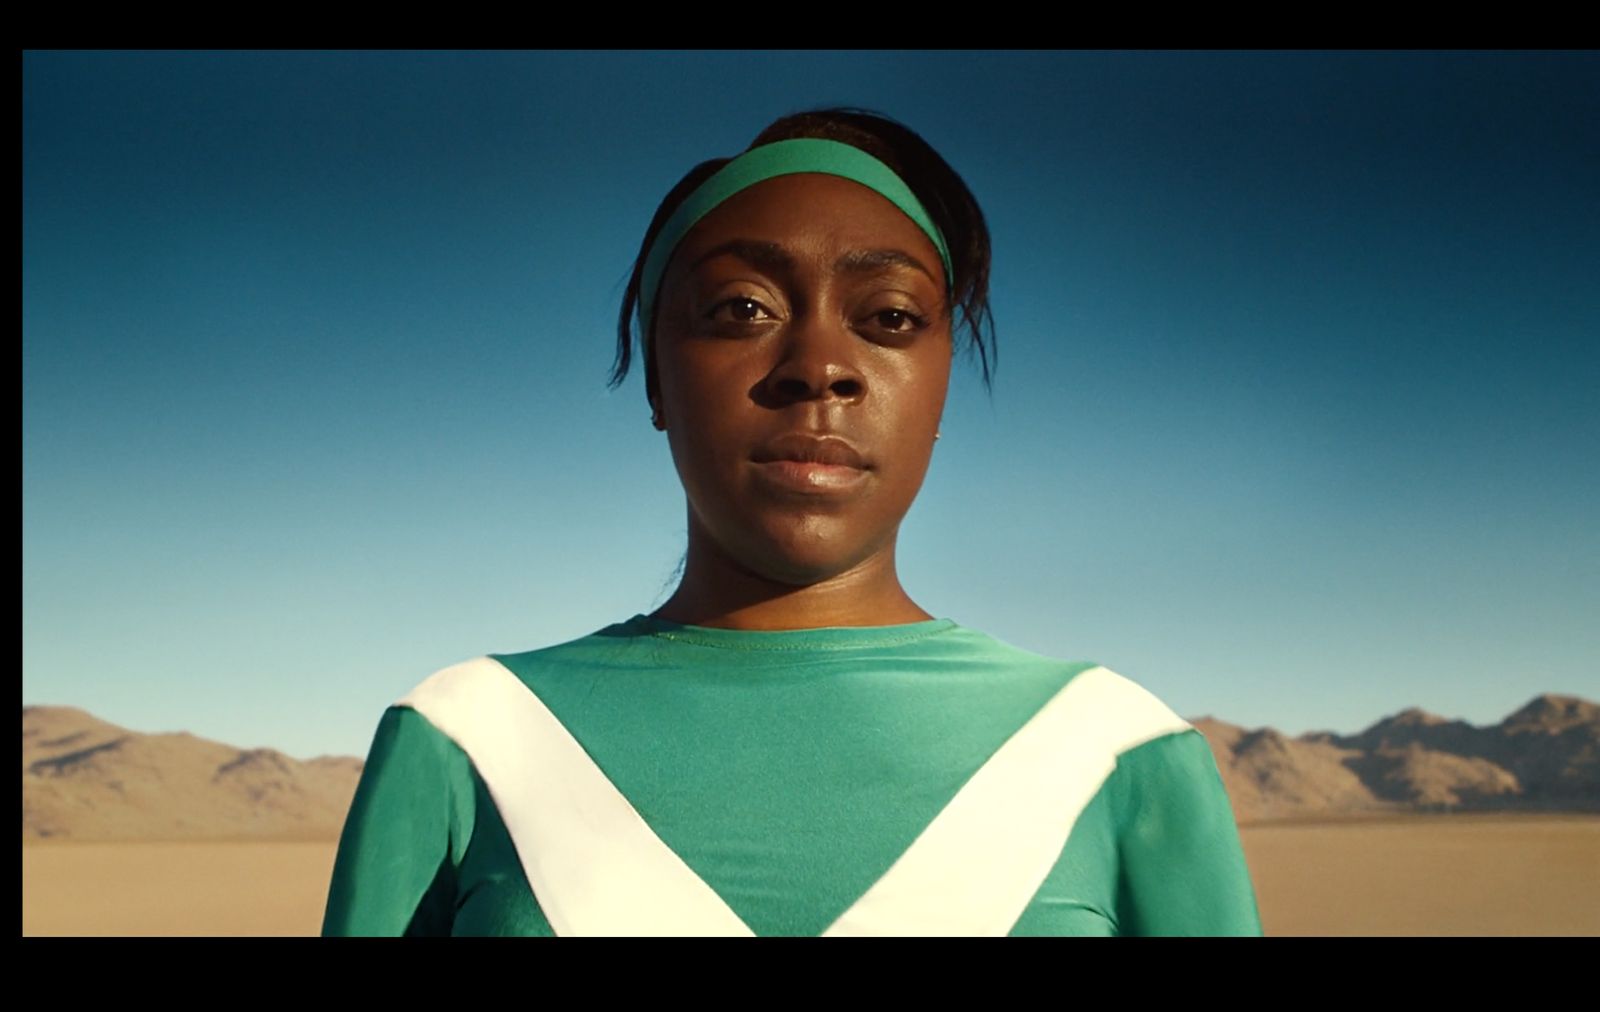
(719, 592)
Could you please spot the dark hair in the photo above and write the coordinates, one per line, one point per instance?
(953, 208)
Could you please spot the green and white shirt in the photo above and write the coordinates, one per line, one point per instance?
(655, 778)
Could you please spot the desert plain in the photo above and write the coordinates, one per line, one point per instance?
(1410, 874)
(1417, 825)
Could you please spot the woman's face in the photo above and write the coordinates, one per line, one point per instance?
(809, 307)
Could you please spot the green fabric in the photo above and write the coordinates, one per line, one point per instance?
(781, 158)
(788, 770)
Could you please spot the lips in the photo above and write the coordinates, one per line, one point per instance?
(810, 449)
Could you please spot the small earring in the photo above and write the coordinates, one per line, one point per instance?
(936, 435)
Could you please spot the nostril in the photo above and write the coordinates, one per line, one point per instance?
(795, 387)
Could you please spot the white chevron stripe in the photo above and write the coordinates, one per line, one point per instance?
(594, 865)
(597, 868)
(977, 866)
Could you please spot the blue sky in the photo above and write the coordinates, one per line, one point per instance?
(1294, 419)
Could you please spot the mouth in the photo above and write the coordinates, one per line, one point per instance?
(811, 465)
(811, 448)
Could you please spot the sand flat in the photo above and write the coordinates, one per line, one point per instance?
(1428, 875)
(246, 888)
(1405, 875)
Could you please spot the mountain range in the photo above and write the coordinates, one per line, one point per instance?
(1543, 757)
(86, 779)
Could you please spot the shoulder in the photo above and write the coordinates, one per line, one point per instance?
(415, 732)
(465, 702)
(1123, 714)
(465, 683)
(1109, 723)
(1110, 727)
(1138, 724)
(1159, 759)
(1103, 713)
(490, 699)
(1097, 713)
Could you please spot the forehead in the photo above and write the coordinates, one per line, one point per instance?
(810, 211)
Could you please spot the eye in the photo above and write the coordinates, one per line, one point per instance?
(899, 321)
(739, 310)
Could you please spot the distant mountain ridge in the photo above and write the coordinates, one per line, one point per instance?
(86, 779)
(1543, 757)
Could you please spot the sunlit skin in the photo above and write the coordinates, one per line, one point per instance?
(805, 303)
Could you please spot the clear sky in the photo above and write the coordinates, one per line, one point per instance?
(1295, 420)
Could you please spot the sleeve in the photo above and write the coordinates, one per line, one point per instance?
(395, 871)
(1181, 867)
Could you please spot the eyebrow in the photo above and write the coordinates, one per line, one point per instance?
(769, 256)
(867, 260)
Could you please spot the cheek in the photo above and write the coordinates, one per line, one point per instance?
(701, 420)
(704, 428)
(696, 380)
(925, 388)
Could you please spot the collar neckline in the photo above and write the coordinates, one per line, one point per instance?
(822, 638)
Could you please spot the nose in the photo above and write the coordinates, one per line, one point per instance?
(817, 361)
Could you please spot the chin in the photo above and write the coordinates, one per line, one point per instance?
(805, 556)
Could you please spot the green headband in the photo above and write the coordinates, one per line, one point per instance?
(780, 158)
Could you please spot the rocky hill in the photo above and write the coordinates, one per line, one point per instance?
(1543, 757)
(85, 779)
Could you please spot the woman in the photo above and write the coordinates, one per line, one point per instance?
(791, 744)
